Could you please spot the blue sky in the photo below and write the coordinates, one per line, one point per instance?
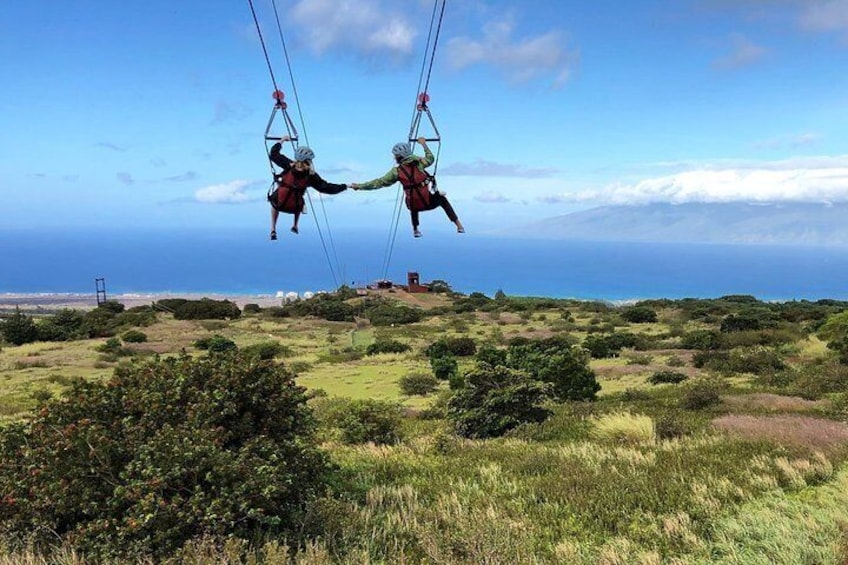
(151, 114)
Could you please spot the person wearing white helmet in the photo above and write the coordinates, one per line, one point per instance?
(291, 183)
(411, 172)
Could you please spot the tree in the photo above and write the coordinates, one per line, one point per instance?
(19, 328)
(556, 362)
(440, 286)
(164, 452)
(495, 400)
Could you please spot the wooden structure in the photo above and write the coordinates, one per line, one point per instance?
(413, 284)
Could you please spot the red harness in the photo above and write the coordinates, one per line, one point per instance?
(288, 196)
(416, 186)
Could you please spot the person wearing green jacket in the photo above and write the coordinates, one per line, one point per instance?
(411, 172)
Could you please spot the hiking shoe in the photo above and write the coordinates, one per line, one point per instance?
(294, 229)
(416, 233)
(273, 235)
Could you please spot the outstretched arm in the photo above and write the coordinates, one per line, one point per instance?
(386, 180)
(319, 184)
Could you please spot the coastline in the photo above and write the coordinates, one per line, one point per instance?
(86, 301)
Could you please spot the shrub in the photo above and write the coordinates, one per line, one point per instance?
(444, 367)
(635, 395)
(701, 394)
(369, 420)
(675, 361)
(439, 286)
(420, 384)
(112, 306)
(491, 355)
(134, 336)
(604, 346)
(47, 330)
(741, 322)
(112, 345)
(266, 350)
(669, 426)
(458, 346)
(495, 400)
(637, 359)
(814, 381)
(639, 314)
(624, 427)
(699, 339)
(251, 309)
(667, 377)
(387, 346)
(207, 309)
(19, 328)
(388, 314)
(165, 452)
(215, 344)
(756, 360)
(64, 325)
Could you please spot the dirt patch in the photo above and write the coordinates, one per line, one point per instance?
(773, 403)
(816, 434)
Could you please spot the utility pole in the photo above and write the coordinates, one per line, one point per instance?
(100, 284)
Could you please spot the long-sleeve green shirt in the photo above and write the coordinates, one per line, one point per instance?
(392, 176)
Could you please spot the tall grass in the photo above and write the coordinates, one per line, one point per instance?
(624, 428)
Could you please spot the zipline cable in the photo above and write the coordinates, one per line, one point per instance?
(333, 268)
(429, 56)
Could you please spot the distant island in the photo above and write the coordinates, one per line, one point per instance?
(813, 224)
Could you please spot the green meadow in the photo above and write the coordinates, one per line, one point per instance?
(718, 433)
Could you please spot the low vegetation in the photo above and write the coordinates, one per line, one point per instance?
(445, 429)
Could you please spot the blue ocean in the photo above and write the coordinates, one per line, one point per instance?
(241, 262)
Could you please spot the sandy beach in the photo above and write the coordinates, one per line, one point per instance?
(56, 301)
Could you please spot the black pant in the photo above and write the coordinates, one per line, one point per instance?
(437, 200)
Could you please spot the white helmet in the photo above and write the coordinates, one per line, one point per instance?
(402, 150)
(303, 153)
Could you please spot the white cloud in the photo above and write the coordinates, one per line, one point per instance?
(788, 141)
(481, 167)
(824, 180)
(521, 60)
(233, 192)
(226, 111)
(491, 197)
(825, 15)
(366, 27)
(743, 52)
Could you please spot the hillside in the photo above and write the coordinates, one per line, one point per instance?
(732, 223)
(718, 426)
